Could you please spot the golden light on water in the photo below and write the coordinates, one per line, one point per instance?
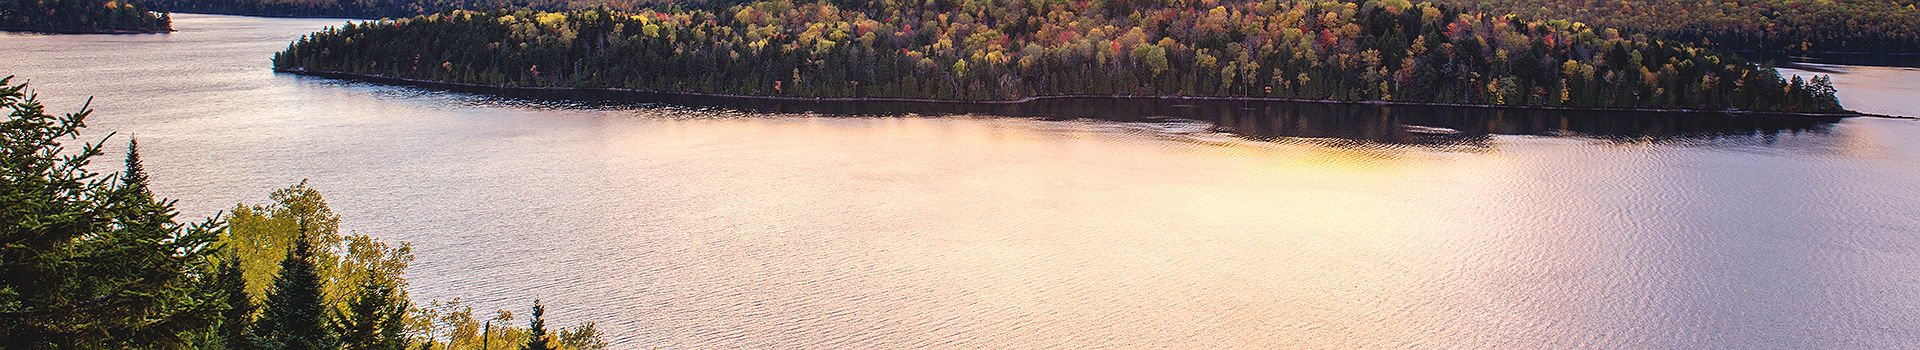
(1070, 231)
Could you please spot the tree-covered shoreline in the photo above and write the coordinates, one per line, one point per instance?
(378, 9)
(82, 17)
(1025, 106)
(1004, 50)
(1770, 26)
(336, 9)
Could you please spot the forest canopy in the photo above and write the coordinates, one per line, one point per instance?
(1751, 25)
(1008, 49)
(81, 16)
(371, 9)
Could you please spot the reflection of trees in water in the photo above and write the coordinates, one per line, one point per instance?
(1363, 123)
(1371, 123)
(1453, 125)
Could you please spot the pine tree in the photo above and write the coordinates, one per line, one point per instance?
(357, 326)
(232, 283)
(295, 317)
(136, 174)
(375, 319)
(393, 328)
(537, 331)
(89, 263)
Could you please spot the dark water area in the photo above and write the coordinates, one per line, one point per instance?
(1085, 224)
(1427, 124)
(1257, 120)
(1264, 120)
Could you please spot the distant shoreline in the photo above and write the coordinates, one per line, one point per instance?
(352, 18)
(113, 31)
(1915, 55)
(565, 92)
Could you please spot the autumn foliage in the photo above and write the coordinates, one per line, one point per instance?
(1005, 49)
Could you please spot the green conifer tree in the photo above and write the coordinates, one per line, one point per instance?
(89, 263)
(135, 177)
(357, 325)
(393, 327)
(375, 319)
(235, 321)
(537, 331)
(295, 317)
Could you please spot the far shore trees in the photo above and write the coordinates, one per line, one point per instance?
(1000, 50)
(1782, 26)
(82, 17)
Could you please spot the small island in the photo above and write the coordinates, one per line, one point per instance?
(82, 17)
(1004, 51)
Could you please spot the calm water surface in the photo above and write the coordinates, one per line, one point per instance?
(686, 228)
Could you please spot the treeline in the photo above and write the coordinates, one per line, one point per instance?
(373, 9)
(1006, 49)
(81, 16)
(97, 262)
(1758, 25)
(346, 9)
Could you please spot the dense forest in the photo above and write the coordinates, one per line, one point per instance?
(1752, 25)
(97, 262)
(81, 16)
(1007, 49)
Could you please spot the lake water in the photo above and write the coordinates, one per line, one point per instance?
(700, 228)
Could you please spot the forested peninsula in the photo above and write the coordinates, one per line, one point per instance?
(992, 50)
(1772, 26)
(81, 17)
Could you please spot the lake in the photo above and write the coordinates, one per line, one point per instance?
(1225, 227)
